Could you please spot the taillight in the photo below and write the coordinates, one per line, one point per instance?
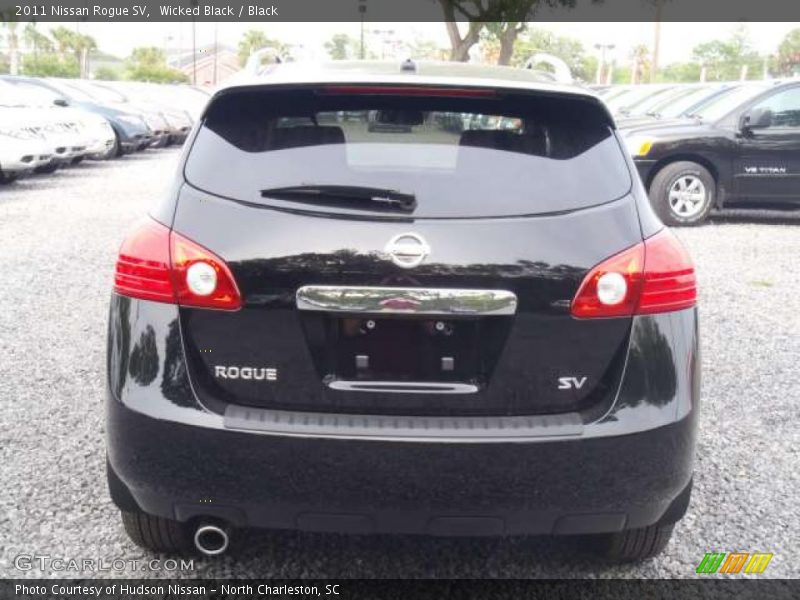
(201, 277)
(654, 276)
(155, 263)
(143, 264)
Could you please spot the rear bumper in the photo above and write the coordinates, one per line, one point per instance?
(363, 486)
(624, 466)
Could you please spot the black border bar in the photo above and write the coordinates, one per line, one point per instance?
(372, 589)
(399, 10)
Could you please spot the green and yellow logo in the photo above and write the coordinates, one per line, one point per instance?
(734, 562)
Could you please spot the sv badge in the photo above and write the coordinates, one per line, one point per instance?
(571, 383)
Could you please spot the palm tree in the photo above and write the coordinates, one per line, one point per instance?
(35, 40)
(65, 39)
(13, 47)
(640, 63)
(251, 41)
(82, 46)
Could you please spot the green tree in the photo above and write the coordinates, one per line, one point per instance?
(424, 49)
(724, 59)
(12, 43)
(687, 72)
(78, 45)
(106, 74)
(568, 49)
(50, 65)
(64, 39)
(150, 64)
(255, 39)
(36, 41)
(786, 62)
(504, 20)
(342, 47)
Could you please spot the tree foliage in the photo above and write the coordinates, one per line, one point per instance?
(724, 59)
(504, 20)
(342, 47)
(50, 65)
(255, 39)
(36, 41)
(150, 64)
(106, 74)
(786, 62)
(534, 40)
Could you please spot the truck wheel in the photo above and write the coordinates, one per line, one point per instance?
(633, 544)
(156, 533)
(682, 193)
(116, 150)
(7, 177)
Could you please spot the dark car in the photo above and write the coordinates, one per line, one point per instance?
(323, 328)
(739, 150)
(131, 132)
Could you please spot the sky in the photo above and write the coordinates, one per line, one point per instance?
(677, 39)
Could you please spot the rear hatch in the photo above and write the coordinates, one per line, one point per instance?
(405, 249)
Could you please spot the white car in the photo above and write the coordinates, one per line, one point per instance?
(23, 146)
(74, 133)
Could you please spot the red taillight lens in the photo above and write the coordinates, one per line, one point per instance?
(155, 263)
(669, 281)
(186, 255)
(654, 276)
(143, 264)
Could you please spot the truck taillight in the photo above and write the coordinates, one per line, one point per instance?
(155, 263)
(653, 276)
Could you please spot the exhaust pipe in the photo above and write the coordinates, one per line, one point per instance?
(211, 540)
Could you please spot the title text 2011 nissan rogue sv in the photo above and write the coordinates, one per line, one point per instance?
(448, 326)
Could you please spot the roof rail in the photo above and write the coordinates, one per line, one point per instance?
(255, 61)
(561, 70)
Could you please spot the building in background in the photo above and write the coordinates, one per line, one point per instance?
(209, 67)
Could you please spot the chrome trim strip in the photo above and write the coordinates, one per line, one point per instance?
(403, 428)
(403, 387)
(414, 301)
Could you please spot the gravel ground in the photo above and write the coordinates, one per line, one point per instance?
(58, 239)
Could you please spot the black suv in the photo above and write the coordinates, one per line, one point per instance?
(739, 150)
(451, 313)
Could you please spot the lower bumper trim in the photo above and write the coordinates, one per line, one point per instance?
(403, 428)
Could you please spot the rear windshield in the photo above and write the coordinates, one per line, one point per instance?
(458, 153)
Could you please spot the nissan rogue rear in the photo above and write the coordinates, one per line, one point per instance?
(429, 300)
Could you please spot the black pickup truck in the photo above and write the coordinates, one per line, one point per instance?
(741, 150)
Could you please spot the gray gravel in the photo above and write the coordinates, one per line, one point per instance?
(58, 239)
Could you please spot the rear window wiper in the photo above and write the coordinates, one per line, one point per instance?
(345, 195)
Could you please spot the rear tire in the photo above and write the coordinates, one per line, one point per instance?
(683, 193)
(156, 533)
(633, 545)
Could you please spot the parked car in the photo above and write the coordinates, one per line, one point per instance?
(97, 134)
(158, 128)
(444, 332)
(23, 147)
(741, 149)
(61, 130)
(149, 97)
(131, 132)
